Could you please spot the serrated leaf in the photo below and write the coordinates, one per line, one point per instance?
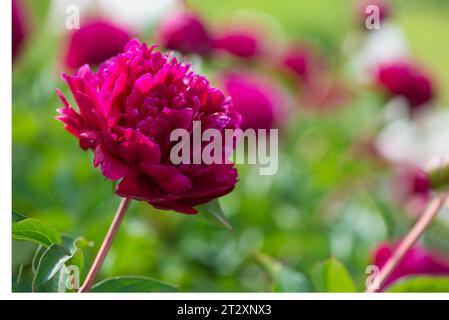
(16, 217)
(421, 284)
(213, 213)
(332, 276)
(49, 264)
(36, 231)
(132, 284)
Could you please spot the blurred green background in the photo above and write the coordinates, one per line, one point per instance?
(325, 201)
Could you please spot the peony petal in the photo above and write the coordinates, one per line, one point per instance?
(167, 177)
(111, 168)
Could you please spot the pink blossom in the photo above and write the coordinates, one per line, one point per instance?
(417, 261)
(127, 111)
(243, 44)
(186, 33)
(95, 42)
(412, 187)
(297, 60)
(256, 99)
(18, 27)
(403, 79)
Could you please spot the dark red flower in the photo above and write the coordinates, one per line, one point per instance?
(243, 44)
(402, 79)
(127, 111)
(18, 28)
(186, 33)
(95, 42)
(417, 261)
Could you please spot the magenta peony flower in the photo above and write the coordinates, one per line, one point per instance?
(186, 33)
(242, 44)
(417, 261)
(253, 98)
(94, 43)
(127, 111)
(402, 79)
(18, 28)
(297, 60)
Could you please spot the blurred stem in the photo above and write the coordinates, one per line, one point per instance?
(106, 245)
(410, 239)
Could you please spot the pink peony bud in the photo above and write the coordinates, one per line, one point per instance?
(243, 44)
(18, 28)
(127, 111)
(94, 42)
(402, 79)
(186, 33)
(417, 261)
(255, 99)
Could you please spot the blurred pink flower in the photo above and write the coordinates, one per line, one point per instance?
(95, 42)
(185, 32)
(127, 111)
(403, 79)
(417, 261)
(304, 61)
(412, 187)
(298, 61)
(241, 43)
(257, 100)
(18, 27)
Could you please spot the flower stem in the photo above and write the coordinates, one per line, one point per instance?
(106, 245)
(410, 239)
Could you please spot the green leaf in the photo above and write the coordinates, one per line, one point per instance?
(332, 276)
(16, 217)
(286, 279)
(37, 256)
(49, 264)
(132, 284)
(290, 280)
(74, 246)
(421, 284)
(213, 213)
(36, 231)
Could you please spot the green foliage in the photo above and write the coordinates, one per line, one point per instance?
(50, 262)
(285, 279)
(421, 284)
(213, 213)
(52, 257)
(16, 217)
(332, 276)
(132, 284)
(37, 231)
